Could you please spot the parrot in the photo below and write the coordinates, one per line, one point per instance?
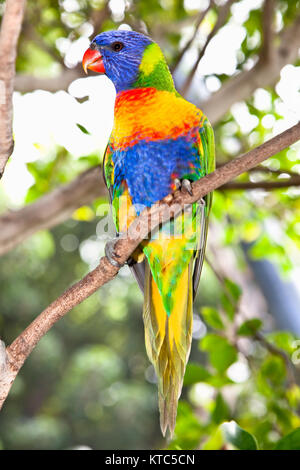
(160, 143)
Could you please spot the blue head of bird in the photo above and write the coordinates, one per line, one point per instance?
(118, 54)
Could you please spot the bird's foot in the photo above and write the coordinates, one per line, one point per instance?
(110, 252)
(184, 185)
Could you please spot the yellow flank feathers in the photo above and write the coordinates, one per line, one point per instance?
(126, 211)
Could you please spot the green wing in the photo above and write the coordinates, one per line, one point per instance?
(207, 158)
(108, 170)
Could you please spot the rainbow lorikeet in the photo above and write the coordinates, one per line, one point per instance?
(159, 143)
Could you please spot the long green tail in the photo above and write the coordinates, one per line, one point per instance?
(168, 341)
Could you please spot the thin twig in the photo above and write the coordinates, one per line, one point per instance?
(218, 275)
(200, 18)
(265, 169)
(221, 19)
(150, 218)
(292, 378)
(99, 16)
(267, 185)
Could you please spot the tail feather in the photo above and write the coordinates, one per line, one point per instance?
(168, 341)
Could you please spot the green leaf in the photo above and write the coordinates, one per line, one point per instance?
(234, 289)
(289, 442)
(221, 410)
(293, 396)
(228, 306)
(82, 128)
(43, 244)
(283, 340)
(230, 234)
(212, 318)
(92, 160)
(264, 246)
(238, 437)
(215, 441)
(219, 380)
(195, 373)
(188, 428)
(250, 327)
(273, 369)
(221, 353)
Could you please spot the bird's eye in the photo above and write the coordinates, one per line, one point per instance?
(117, 46)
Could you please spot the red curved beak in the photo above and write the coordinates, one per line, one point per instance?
(92, 60)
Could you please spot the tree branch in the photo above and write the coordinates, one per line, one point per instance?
(31, 34)
(57, 206)
(13, 358)
(51, 209)
(267, 49)
(27, 83)
(9, 35)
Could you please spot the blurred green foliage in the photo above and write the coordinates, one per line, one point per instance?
(88, 382)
